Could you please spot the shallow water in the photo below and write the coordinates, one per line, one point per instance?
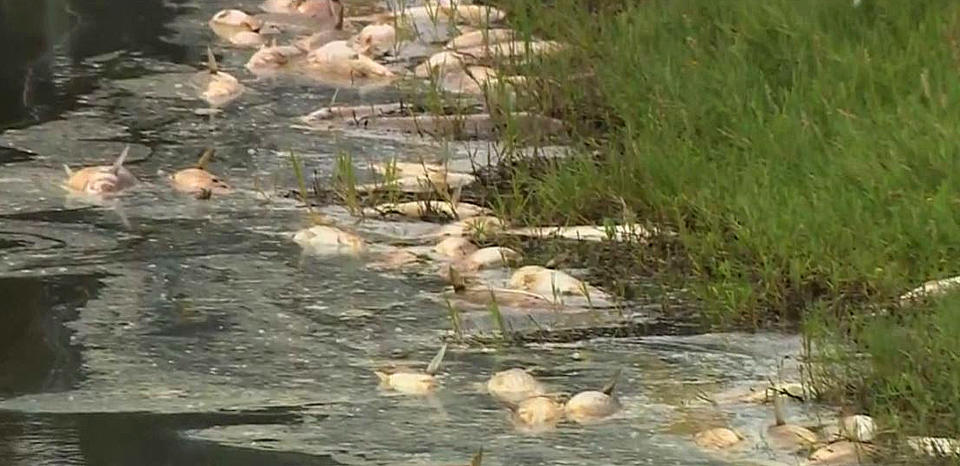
(163, 330)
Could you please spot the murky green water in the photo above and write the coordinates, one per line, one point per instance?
(165, 330)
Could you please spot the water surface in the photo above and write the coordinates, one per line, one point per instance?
(164, 330)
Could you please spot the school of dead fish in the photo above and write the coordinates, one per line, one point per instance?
(332, 54)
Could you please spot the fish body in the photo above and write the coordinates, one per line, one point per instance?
(102, 180)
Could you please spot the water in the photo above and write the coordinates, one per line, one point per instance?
(165, 330)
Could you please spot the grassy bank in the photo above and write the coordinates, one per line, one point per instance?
(806, 151)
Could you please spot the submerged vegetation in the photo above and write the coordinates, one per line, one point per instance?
(803, 151)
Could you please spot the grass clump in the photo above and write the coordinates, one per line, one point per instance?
(804, 151)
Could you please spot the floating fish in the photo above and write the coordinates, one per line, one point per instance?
(455, 247)
(593, 406)
(419, 209)
(549, 282)
(514, 385)
(216, 87)
(537, 413)
(275, 59)
(376, 40)
(197, 180)
(481, 37)
(412, 382)
(486, 258)
(784, 436)
(328, 239)
(717, 438)
(103, 180)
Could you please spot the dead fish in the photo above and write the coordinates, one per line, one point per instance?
(593, 406)
(468, 80)
(858, 428)
(101, 180)
(229, 22)
(445, 10)
(395, 259)
(419, 209)
(585, 232)
(337, 60)
(433, 182)
(332, 51)
(930, 289)
(215, 87)
(274, 59)
(490, 257)
(787, 437)
(324, 238)
(440, 63)
(514, 385)
(407, 15)
(474, 226)
(486, 296)
(474, 15)
(427, 180)
(328, 13)
(320, 38)
(481, 37)
(280, 6)
(935, 446)
(197, 180)
(512, 49)
(376, 40)
(405, 169)
(548, 282)
(455, 247)
(411, 382)
(718, 438)
(842, 453)
(537, 413)
(241, 29)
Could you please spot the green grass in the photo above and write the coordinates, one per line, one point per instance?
(805, 151)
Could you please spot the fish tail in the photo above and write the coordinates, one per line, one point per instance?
(205, 158)
(212, 62)
(383, 376)
(437, 360)
(477, 458)
(612, 384)
(118, 164)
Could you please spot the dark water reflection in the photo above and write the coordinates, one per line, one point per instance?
(41, 74)
(134, 439)
(44, 42)
(35, 350)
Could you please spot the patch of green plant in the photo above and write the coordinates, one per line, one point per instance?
(803, 152)
(345, 183)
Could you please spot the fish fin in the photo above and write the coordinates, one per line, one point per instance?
(382, 375)
(477, 458)
(339, 25)
(67, 169)
(456, 279)
(205, 158)
(778, 414)
(612, 384)
(436, 361)
(510, 405)
(118, 164)
(212, 62)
